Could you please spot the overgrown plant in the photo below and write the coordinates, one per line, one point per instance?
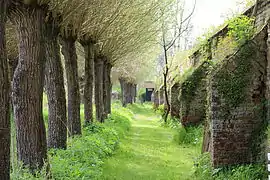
(204, 170)
(85, 154)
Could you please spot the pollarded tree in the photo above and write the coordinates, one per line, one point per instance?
(131, 33)
(4, 98)
(27, 86)
(72, 15)
(101, 16)
(54, 81)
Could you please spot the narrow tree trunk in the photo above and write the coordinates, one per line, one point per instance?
(165, 76)
(57, 123)
(69, 52)
(27, 87)
(122, 84)
(4, 99)
(107, 88)
(99, 63)
(89, 81)
(134, 92)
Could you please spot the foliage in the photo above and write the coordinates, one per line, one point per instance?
(203, 167)
(193, 81)
(142, 94)
(232, 85)
(85, 154)
(204, 170)
(189, 135)
(160, 110)
(241, 29)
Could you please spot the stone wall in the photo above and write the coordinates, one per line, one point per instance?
(236, 110)
(175, 103)
(192, 96)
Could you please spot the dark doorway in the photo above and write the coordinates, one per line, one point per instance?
(149, 92)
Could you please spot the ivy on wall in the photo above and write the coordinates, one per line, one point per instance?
(233, 77)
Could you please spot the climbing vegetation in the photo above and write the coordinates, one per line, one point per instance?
(193, 81)
(232, 85)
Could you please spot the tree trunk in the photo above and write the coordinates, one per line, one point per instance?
(126, 91)
(89, 81)
(121, 80)
(99, 63)
(4, 99)
(27, 87)
(57, 123)
(12, 63)
(165, 75)
(69, 52)
(107, 88)
(134, 92)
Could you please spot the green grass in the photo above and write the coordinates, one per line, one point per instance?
(85, 155)
(149, 152)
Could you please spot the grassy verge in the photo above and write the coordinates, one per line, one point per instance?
(85, 154)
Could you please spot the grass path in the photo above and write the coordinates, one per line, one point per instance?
(149, 153)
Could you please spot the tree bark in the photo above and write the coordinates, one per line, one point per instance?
(107, 88)
(89, 80)
(4, 99)
(57, 122)
(99, 63)
(69, 52)
(12, 63)
(165, 76)
(27, 86)
(134, 92)
(126, 89)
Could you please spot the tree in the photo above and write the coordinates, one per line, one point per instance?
(27, 85)
(4, 98)
(71, 14)
(68, 40)
(57, 120)
(168, 40)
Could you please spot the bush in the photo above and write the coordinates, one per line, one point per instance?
(204, 170)
(85, 154)
(160, 110)
(189, 135)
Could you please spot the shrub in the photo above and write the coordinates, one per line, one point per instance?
(85, 154)
(189, 135)
(204, 170)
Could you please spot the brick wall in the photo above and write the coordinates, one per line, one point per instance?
(236, 131)
(175, 103)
